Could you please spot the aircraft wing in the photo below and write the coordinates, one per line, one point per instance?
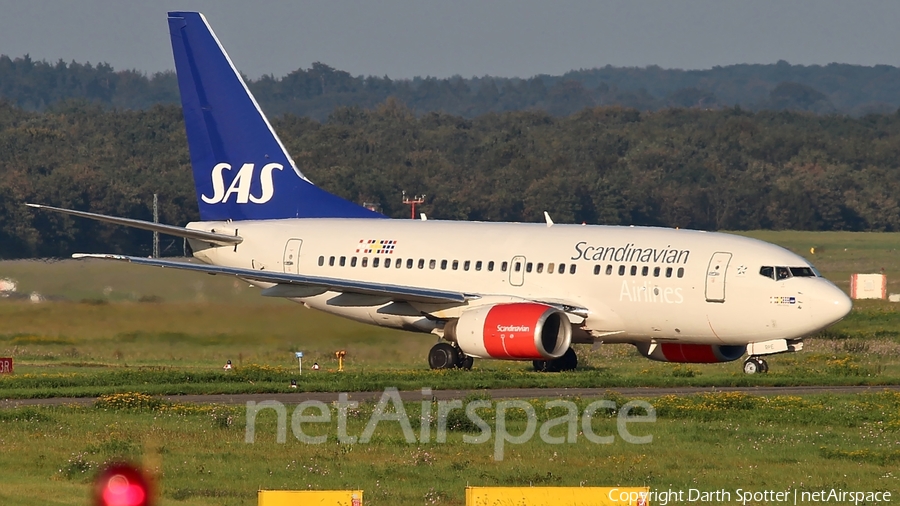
(316, 284)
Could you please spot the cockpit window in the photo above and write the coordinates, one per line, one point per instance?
(781, 273)
(802, 272)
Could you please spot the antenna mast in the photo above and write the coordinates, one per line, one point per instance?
(155, 220)
(412, 201)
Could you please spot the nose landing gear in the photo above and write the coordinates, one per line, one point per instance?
(755, 365)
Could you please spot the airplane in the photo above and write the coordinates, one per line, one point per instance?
(508, 291)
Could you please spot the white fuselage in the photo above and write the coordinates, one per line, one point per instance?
(638, 284)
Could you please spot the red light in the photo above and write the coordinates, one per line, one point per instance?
(121, 485)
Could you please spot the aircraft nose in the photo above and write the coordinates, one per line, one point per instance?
(837, 304)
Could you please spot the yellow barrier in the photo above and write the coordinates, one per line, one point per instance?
(310, 497)
(557, 496)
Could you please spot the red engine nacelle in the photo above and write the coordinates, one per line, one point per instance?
(516, 331)
(691, 353)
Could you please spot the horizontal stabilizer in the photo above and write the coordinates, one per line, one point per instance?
(389, 292)
(210, 237)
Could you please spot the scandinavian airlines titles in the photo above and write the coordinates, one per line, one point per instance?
(513, 328)
(630, 253)
(648, 292)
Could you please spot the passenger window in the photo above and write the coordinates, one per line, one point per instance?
(561, 269)
(782, 273)
(621, 270)
(491, 266)
(466, 265)
(331, 261)
(572, 268)
(645, 270)
(518, 266)
(421, 263)
(455, 265)
(409, 263)
(608, 270)
(432, 263)
(767, 271)
(681, 272)
(668, 272)
(596, 270)
(656, 272)
(478, 265)
(550, 268)
(387, 262)
(365, 261)
(503, 266)
(634, 270)
(343, 261)
(353, 262)
(443, 265)
(376, 260)
(321, 261)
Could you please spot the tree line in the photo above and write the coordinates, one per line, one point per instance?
(728, 169)
(315, 92)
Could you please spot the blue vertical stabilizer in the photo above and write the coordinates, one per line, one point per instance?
(241, 169)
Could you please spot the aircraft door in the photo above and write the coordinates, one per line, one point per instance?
(292, 256)
(517, 271)
(715, 277)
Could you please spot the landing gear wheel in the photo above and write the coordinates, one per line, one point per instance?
(567, 362)
(465, 362)
(443, 356)
(754, 365)
(750, 366)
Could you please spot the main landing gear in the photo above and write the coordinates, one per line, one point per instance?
(755, 364)
(567, 362)
(448, 356)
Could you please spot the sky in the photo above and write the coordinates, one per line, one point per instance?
(441, 38)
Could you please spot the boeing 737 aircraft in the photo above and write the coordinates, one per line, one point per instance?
(509, 291)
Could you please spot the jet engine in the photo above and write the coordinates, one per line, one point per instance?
(690, 353)
(516, 331)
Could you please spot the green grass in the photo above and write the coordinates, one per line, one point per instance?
(198, 454)
(79, 349)
(70, 334)
(105, 281)
(117, 328)
(111, 327)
